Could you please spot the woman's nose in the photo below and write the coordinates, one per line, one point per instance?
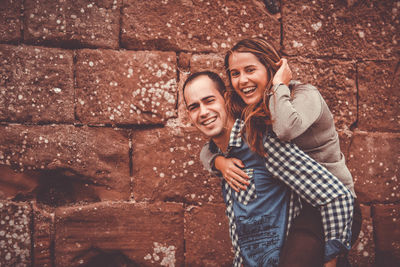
(243, 79)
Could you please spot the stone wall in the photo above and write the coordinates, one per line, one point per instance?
(98, 163)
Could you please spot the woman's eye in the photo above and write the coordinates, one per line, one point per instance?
(234, 73)
(250, 70)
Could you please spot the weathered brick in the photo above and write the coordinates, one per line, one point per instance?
(213, 62)
(368, 29)
(379, 90)
(374, 161)
(386, 219)
(336, 80)
(125, 87)
(14, 183)
(15, 234)
(207, 237)
(36, 84)
(166, 166)
(80, 163)
(194, 25)
(79, 23)
(362, 254)
(129, 234)
(43, 227)
(10, 20)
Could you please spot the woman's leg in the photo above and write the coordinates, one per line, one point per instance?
(305, 244)
(357, 221)
(355, 231)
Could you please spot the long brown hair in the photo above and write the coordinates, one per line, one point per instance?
(257, 117)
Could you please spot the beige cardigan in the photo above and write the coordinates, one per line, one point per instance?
(305, 119)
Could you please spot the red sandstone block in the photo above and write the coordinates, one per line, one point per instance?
(125, 87)
(13, 182)
(362, 253)
(72, 23)
(379, 90)
(336, 80)
(194, 25)
(36, 84)
(374, 162)
(43, 227)
(10, 20)
(89, 163)
(120, 234)
(15, 234)
(368, 29)
(387, 232)
(166, 167)
(207, 236)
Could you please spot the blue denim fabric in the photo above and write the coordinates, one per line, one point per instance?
(261, 220)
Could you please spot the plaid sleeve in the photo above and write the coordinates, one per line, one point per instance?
(207, 158)
(316, 185)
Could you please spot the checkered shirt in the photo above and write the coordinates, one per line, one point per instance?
(305, 177)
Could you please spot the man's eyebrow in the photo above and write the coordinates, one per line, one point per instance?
(207, 97)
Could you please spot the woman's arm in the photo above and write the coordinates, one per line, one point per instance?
(292, 116)
(229, 168)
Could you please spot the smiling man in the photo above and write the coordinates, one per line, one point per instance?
(260, 217)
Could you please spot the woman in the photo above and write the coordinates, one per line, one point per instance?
(261, 96)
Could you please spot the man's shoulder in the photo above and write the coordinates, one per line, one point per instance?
(213, 147)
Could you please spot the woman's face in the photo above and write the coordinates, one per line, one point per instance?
(248, 76)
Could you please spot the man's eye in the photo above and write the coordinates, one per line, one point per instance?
(191, 108)
(210, 100)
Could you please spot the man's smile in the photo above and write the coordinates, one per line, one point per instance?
(209, 120)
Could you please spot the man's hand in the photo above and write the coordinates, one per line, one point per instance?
(233, 175)
(283, 74)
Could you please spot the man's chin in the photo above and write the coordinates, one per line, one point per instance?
(209, 132)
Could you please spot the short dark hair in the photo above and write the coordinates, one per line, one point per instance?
(213, 77)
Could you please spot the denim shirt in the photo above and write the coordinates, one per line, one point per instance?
(260, 211)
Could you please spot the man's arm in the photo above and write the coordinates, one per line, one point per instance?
(316, 185)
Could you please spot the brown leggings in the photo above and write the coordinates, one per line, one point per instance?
(305, 244)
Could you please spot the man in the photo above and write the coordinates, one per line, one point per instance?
(260, 217)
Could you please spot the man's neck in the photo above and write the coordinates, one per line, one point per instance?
(222, 140)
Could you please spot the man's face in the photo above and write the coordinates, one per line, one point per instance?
(206, 106)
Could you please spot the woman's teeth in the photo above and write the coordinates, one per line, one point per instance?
(248, 90)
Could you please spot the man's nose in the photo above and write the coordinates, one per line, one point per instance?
(203, 110)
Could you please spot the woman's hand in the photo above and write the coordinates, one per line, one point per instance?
(233, 175)
(331, 263)
(283, 74)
